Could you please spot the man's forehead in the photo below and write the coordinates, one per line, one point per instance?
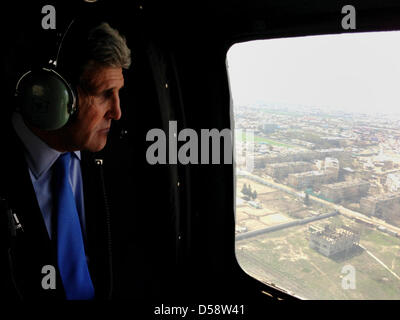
(103, 76)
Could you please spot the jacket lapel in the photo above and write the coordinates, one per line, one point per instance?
(96, 226)
(33, 249)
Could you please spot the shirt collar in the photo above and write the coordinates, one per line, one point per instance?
(39, 155)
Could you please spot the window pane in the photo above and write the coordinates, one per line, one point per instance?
(317, 160)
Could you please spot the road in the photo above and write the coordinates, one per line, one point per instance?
(357, 215)
(380, 262)
(342, 210)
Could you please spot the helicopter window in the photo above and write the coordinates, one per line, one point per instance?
(317, 163)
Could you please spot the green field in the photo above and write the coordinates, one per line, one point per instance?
(285, 259)
(267, 141)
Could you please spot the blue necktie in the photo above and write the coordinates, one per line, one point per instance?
(71, 256)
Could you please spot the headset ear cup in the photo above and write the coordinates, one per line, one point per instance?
(74, 106)
(45, 99)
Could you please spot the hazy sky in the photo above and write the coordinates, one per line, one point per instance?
(355, 72)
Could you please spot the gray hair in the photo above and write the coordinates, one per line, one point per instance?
(106, 46)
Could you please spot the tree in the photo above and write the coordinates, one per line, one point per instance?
(244, 189)
(307, 199)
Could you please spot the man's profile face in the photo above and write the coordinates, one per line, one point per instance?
(98, 104)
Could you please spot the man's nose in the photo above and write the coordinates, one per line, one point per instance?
(115, 108)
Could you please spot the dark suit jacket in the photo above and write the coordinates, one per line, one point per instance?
(23, 257)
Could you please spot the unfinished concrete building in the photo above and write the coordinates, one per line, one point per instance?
(282, 170)
(331, 241)
(293, 155)
(381, 206)
(346, 190)
(312, 178)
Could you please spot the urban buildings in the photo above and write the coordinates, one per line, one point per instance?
(381, 206)
(331, 241)
(346, 190)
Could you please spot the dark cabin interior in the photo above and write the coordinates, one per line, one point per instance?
(173, 224)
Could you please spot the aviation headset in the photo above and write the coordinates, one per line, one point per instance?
(45, 98)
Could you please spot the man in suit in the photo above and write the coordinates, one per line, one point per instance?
(44, 254)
